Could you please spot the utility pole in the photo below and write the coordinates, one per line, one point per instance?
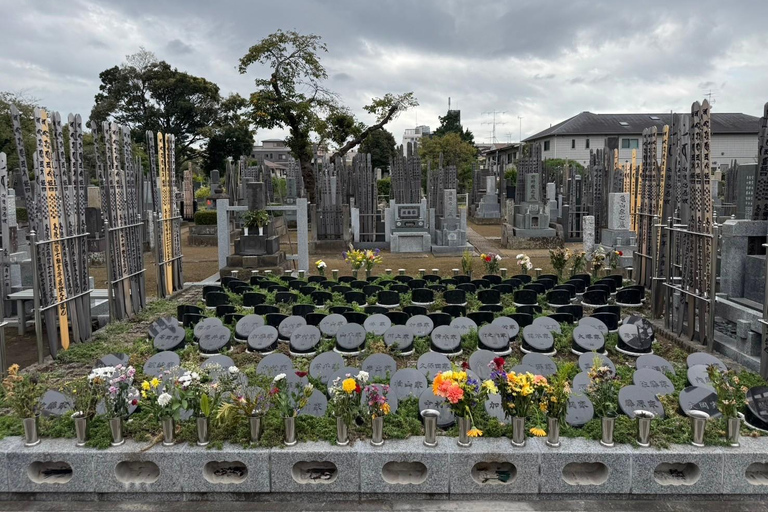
(493, 123)
(520, 118)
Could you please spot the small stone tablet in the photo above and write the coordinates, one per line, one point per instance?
(247, 324)
(508, 324)
(305, 339)
(206, 325)
(695, 398)
(316, 406)
(113, 360)
(630, 341)
(217, 363)
(547, 323)
(494, 409)
(523, 368)
(331, 324)
(289, 325)
(325, 365)
(420, 325)
(479, 361)
(408, 382)
(160, 325)
(446, 339)
(399, 337)
(263, 339)
(544, 365)
(391, 396)
(586, 362)
(432, 363)
(596, 323)
(377, 324)
(635, 398)
(538, 339)
(161, 362)
(464, 325)
(587, 339)
(645, 328)
(657, 382)
(494, 337)
(757, 408)
(705, 359)
(428, 400)
(698, 375)
(170, 338)
(350, 337)
(581, 382)
(274, 364)
(214, 340)
(54, 404)
(580, 410)
(654, 362)
(379, 366)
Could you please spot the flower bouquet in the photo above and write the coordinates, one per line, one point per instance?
(519, 393)
(559, 259)
(162, 398)
(462, 394)
(598, 260)
(115, 385)
(467, 263)
(320, 266)
(730, 399)
(491, 262)
(85, 399)
(22, 394)
(344, 403)
(378, 407)
(603, 391)
(247, 402)
(555, 403)
(579, 264)
(524, 262)
(289, 400)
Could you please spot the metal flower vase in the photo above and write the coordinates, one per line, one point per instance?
(430, 427)
(553, 432)
(81, 429)
(255, 424)
(203, 431)
(342, 432)
(30, 432)
(733, 432)
(464, 425)
(377, 438)
(116, 428)
(608, 424)
(290, 431)
(168, 431)
(518, 431)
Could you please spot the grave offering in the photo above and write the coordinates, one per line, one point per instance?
(420, 325)
(544, 365)
(432, 363)
(654, 362)
(548, 323)
(324, 365)
(246, 325)
(654, 381)
(331, 324)
(379, 366)
(101, 408)
(263, 340)
(698, 376)
(494, 409)
(538, 339)
(350, 339)
(580, 382)
(304, 341)
(317, 405)
(595, 323)
(400, 338)
(289, 325)
(587, 339)
(206, 325)
(171, 338)
(217, 363)
(55, 404)
(428, 400)
(494, 338)
(446, 340)
(377, 324)
(586, 362)
(214, 340)
(635, 398)
(508, 324)
(387, 392)
(408, 382)
(695, 398)
(580, 410)
(756, 416)
(631, 343)
(704, 359)
(464, 325)
(275, 364)
(112, 360)
(160, 362)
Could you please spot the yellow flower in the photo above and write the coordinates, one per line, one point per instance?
(145, 386)
(385, 408)
(482, 256)
(349, 385)
(489, 386)
(474, 432)
(13, 369)
(155, 382)
(143, 394)
(538, 432)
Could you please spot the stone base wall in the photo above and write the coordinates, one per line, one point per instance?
(487, 221)
(203, 235)
(510, 241)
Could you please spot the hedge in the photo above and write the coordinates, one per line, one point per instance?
(205, 217)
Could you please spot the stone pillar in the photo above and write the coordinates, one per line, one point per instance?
(222, 230)
(618, 211)
(589, 233)
(302, 233)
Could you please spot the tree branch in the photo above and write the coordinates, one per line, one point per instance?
(360, 138)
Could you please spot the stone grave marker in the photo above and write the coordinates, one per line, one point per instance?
(379, 366)
(581, 382)
(331, 324)
(653, 380)
(580, 410)
(494, 409)
(548, 323)
(324, 365)
(757, 408)
(217, 363)
(421, 325)
(702, 358)
(446, 339)
(247, 324)
(383, 389)
(596, 323)
(696, 398)
(290, 324)
(304, 340)
(587, 339)
(538, 339)
(408, 382)
(263, 339)
(341, 375)
(377, 324)
(479, 361)
(586, 361)
(654, 362)
(544, 365)
(508, 324)
(295, 384)
(432, 363)
(635, 398)
(160, 325)
(350, 337)
(464, 325)
(55, 404)
(205, 325)
(401, 337)
(698, 376)
(428, 400)
(275, 364)
(161, 362)
(170, 338)
(630, 341)
(645, 328)
(317, 405)
(523, 368)
(214, 340)
(495, 338)
(113, 360)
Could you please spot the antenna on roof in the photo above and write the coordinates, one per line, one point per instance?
(449, 103)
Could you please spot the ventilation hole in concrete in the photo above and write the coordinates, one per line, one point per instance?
(315, 472)
(225, 472)
(494, 473)
(676, 473)
(58, 472)
(585, 473)
(757, 473)
(404, 472)
(137, 472)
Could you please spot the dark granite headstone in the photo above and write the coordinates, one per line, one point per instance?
(705, 359)
(420, 325)
(654, 362)
(399, 336)
(330, 325)
(246, 325)
(494, 338)
(350, 337)
(446, 339)
(580, 382)
(757, 408)
(391, 396)
(215, 340)
(432, 363)
(263, 339)
(275, 364)
(538, 339)
(54, 404)
(548, 323)
(523, 368)
(653, 380)
(289, 325)
(479, 361)
(428, 400)
(304, 340)
(160, 325)
(586, 362)
(644, 326)
(161, 362)
(377, 324)
(698, 375)
(379, 366)
(631, 343)
(508, 324)
(464, 325)
(494, 409)
(206, 325)
(525, 297)
(596, 323)
(635, 398)
(544, 365)
(408, 382)
(695, 398)
(325, 365)
(171, 338)
(587, 339)
(580, 410)
(113, 360)
(317, 405)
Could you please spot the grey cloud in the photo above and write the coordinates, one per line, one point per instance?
(179, 47)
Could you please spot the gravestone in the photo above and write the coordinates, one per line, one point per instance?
(331, 324)
(654, 381)
(304, 340)
(113, 360)
(489, 207)
(702, 358)
(581, 382)
(654, 362)
(544, 365)
(587, 339)
(580, 410)
(379, 366)
(635, 398)
(420, 325)
(289, 325)
(408, 382)
(694, 398)
(595, 323)
(161, 362)
(214, 340)
(495, 338)
(317, 405)
(217, 363)
(384, 390)
(377, 324)
(550, 324)
(508, 324)
(324, 365)
(586, 361)
(644, 327)
(205, 325)
(160, 325)
(274, 364)
(479, 361)
(757, 408)
(171, 338)
(538, 339)
(464, 325)
(698, 376)
(446, 339)
(399, 337)
(631, 343)
(246, 325)
(523, 368)
(428, 400)
(494, 409)
(619, 235)
(55, 404)
(588, 233)
(263, 339)
(432, 363)
(350, 337)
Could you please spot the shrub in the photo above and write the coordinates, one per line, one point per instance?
(205, 217)
(203, 193)
(385, 187)
(22, 215)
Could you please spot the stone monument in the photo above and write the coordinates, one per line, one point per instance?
(406, 218)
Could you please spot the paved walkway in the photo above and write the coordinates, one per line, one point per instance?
(481, 244)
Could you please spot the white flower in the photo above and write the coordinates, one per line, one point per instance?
(363, 376)
(520, 256)
(498, 257)
(164, 399)
(234, 370)
(279, 377)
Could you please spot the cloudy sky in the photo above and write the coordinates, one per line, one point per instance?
(540, 60)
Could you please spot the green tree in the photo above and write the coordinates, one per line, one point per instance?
(382, 146)
(451, 123)
(231, 136)
(555, 168)
(454, 151)
(26, 106)
(293, 96)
